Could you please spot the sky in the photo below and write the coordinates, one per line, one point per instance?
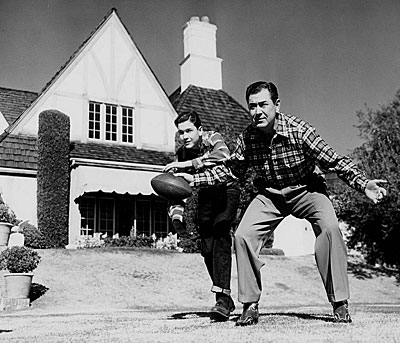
(329, 59)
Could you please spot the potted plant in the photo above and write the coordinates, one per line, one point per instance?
(8, 219)
(20, 263)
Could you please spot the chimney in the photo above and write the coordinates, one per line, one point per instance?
(200, 66)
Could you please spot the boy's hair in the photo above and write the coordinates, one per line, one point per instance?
(256, 87)
(193, 116)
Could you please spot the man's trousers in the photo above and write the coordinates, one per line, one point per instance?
(261, 218)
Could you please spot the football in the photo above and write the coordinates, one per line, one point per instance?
(171, 187)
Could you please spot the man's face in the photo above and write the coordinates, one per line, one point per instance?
(189, 134)
(262, 109)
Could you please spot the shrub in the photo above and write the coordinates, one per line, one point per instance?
(53, 177)
(33, 236)
(190, 244)
(7, 215)
(19, 259)
(129, 241)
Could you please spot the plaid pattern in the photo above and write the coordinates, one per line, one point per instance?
(209, 161)
(214, 150)
(295, 151)
(217, 174)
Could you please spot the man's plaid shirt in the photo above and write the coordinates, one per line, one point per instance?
(294, 152)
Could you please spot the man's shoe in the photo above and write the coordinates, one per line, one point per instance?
(222, 309)
(249, 315)
(341, 312)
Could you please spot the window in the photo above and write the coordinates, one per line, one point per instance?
(88, 215)
(143, 216)
(94, 120)
(122, 214)
(106, 216)
(160, 218)
(127, 125)
(111, 123)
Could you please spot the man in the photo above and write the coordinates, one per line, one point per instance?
(285, 152)
(200, 161)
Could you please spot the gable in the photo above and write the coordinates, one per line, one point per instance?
(108, 68)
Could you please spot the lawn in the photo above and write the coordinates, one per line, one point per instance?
(120, 295)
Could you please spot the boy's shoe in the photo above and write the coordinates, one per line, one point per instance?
(222, 309)
(249, 315)
(341, 312)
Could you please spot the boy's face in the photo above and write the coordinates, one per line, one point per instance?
(190, 134)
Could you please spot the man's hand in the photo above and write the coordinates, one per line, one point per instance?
(177, 165)
(374, 191)
(188, 177)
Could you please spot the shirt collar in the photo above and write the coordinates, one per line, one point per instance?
(280, 126)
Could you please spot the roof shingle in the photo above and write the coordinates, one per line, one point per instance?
(119, 153)
(20, 152)
(215, 107)
(13, 102)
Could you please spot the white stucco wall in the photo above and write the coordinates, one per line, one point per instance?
(108, 70)
(19, 193)
(295, 237)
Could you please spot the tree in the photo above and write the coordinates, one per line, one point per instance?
(376, 228)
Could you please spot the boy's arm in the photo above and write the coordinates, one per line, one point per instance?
(209, 177)
(217, 152)
(237, 162)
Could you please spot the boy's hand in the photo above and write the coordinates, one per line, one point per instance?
(188, 177)
(177, 165)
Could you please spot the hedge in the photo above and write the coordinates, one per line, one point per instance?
(53, 177)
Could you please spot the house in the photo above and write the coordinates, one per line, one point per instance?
(122, 131)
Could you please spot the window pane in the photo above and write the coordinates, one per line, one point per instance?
(87, 208)
(160, 219)
(143, 218)
(127, 124)
(111, 123)
(94, 120)
(106, 216)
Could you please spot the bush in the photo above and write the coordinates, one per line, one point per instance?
(190, 244)
(7, 215)
(53, 177)
(19, 259)
(129, 241)
(33, 236)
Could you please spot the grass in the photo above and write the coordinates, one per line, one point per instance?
(125, 295)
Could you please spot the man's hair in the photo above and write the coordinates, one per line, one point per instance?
(193, 116)
(256, 87)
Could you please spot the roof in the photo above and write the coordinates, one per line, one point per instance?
(119, 153)
(13, 102)
(215, 107)
(20, 152)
